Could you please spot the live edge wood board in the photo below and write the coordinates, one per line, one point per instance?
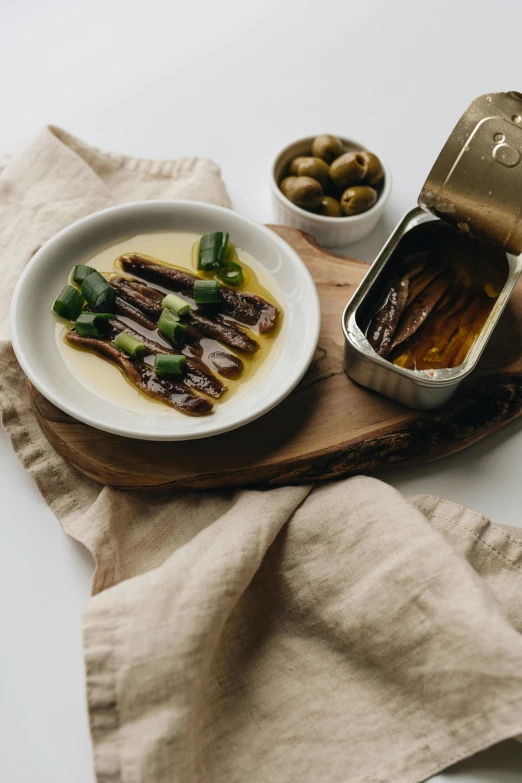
(327, 428)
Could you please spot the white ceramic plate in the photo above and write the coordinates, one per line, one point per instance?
(33, 323)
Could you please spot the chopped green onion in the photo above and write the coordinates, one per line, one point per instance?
(230, 252)
(169, 364)
(217, 253)
(224, 247)
(176, 304)
(99, 294)
(80, 272)
(129, 345)
(97, 276)
(91, 324)
(206, 291)
(69, 303)
(230, 273)
(230, 270)
(171, 328)
(211, 250)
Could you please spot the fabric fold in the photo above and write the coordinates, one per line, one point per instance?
(332, 634)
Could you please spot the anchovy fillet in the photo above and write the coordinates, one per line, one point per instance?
(143, 377)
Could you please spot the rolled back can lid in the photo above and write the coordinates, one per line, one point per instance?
(476, 182)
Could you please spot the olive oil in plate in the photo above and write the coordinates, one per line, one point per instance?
(175, 248)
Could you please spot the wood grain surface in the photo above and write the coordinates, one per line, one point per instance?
(327, 428)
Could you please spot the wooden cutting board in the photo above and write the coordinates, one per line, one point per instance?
(327, 428)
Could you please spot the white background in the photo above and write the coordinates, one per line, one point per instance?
(233, 80)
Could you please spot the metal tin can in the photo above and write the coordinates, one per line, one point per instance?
(475, 185)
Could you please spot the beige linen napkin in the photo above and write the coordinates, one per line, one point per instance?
(339, 633)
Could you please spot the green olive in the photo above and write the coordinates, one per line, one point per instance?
(311, 167)
(326, 147)
(375, 173)
(329, 207)
(358, 199)
(304, 192)
(349, 169)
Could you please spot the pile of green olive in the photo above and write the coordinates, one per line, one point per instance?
(332, 182)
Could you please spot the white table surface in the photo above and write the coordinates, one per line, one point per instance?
(233, 80)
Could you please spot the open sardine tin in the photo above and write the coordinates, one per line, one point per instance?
(475, 186)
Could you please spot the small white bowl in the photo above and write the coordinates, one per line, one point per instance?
(33, 324)
(329, 232)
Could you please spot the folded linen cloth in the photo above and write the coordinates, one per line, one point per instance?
(339, 633)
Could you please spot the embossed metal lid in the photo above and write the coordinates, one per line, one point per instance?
(476, 182)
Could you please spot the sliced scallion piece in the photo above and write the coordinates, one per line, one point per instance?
(91, 324)
(169, 364)
(97, 275)
(99, 294)
(80, 272)
(224, 247)
(176, 304)
(211, 250)
(171, 328)
(217, 253)
(206, 291)
(230, 253)
(230, 270)
(230, 273)
(69, 303)
(129, 345)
